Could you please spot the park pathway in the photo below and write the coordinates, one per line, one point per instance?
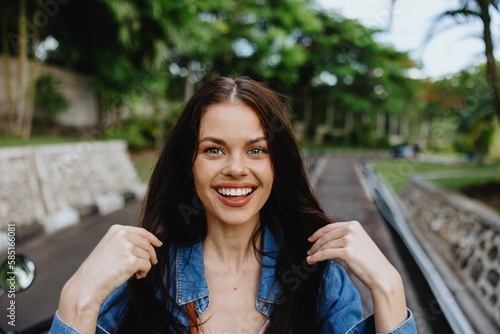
(340, 188)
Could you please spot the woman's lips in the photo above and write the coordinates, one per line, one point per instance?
(235, 201)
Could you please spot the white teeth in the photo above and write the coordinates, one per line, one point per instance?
(234, 191)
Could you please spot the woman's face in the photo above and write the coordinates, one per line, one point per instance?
(232, 170)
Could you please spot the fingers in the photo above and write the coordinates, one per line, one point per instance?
(124, 252)
(144, 266)
(336, 231)
(328, 228)
(334, 241)
(331, 250)
(137, 246)
(143, 245)
(150, 237)
(349, 243)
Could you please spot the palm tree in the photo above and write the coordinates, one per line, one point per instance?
(471, 10)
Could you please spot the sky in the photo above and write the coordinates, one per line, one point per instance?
(447, 52)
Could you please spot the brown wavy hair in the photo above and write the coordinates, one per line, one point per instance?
(172, 211)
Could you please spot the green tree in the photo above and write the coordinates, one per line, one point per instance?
(348, 74)
(465, 100)
(149, 55)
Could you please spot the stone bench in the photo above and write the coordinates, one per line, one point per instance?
(49, 187)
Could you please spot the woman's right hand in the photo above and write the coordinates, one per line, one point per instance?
(124, 252)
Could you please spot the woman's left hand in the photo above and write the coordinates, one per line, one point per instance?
(349, 243)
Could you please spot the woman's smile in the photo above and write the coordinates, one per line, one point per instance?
(232, 170)
(235, 195)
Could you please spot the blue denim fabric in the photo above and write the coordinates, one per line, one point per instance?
(339, 306)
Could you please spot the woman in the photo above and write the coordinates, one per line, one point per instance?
(232, 240)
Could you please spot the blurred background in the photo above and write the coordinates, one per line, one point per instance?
(387, 73)
(411, 86)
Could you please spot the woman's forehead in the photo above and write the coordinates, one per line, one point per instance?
(232, 120)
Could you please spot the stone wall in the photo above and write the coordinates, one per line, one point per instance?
(52, 186)
(465, 237)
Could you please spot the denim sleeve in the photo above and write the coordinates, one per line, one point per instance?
(339, 303)
(112, 311)
(368, 326)
(60, 327)
(110, 315)
(340, 307)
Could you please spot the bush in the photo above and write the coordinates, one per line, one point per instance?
(139, 133)
(48, 100)
(463, 144)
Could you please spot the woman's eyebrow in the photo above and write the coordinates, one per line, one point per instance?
(220, 141)
(214, 140)
(255, 140)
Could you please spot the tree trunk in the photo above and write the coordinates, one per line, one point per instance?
(30, 103)
(160, 118)
(189, 86)
(405, 128)
(349, 122)
(380, 120)
(307, 114)
(490, 58)
(330, 116)
(22, 70)
(9, 98)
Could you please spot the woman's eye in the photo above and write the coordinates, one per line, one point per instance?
(213, 151)
(257, 151)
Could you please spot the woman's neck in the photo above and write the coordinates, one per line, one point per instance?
(231, 246)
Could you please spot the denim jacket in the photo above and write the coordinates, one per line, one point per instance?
(339, 305)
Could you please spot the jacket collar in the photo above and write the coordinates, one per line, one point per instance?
(191, 283)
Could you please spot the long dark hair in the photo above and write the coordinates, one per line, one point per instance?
(173, 213)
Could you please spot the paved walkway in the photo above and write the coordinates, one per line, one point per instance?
(57, 257)
(340, 189)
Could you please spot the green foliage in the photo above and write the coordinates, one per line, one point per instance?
(139, 133)
(482, 135)
(361, 136)
(465, 103)
(158, 50)
(48, 99)
(463, 144)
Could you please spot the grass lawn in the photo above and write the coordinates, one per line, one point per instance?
(144, 162)
(450, 176)
(457, 183)
(144, 169)
(14, 141)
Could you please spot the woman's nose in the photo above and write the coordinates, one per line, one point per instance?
(236, 166)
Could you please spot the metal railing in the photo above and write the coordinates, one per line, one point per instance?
(390, 210)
